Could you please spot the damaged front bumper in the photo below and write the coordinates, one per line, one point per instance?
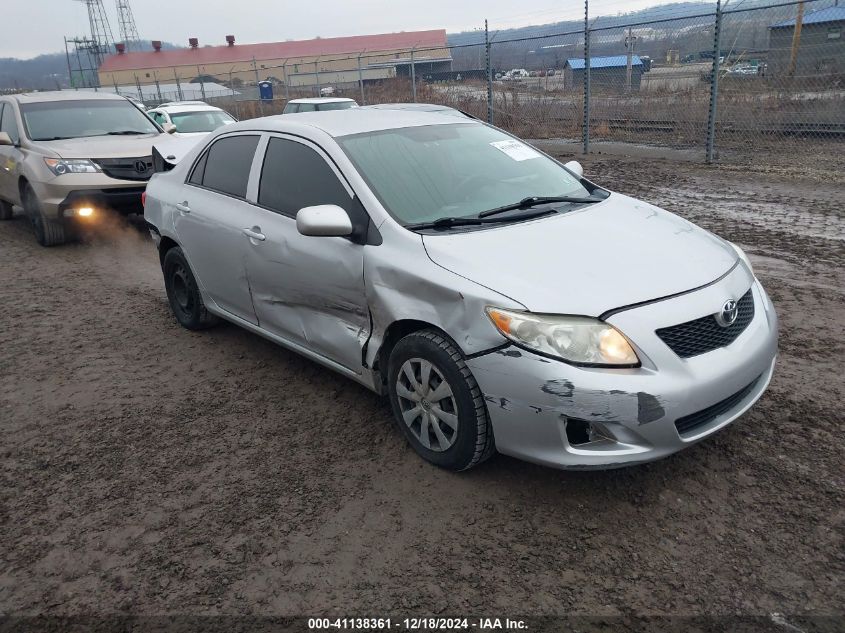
(559, 415)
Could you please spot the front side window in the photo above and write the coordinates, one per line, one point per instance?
(225, 166)
(200, 121)
(306, 107)
(54, 120)
(421, 174)
(295, 176)
(8, 124)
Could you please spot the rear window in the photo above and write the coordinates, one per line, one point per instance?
(226, 164)
(338, 105)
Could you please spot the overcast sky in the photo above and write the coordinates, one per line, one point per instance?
(38, 26)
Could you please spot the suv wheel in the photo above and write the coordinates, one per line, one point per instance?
(5, 210)
(183, 293)
(48, 232)
(437, 403)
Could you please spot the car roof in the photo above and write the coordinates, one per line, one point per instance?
(187, 106)
(345, 122)
(320, 100)
(66, 95)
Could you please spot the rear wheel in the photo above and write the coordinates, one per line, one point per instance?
(437, 402)
(48, 232)
(5, 210)
(183, 294)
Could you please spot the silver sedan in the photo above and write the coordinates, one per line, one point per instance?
(501, 300)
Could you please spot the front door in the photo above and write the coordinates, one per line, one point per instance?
(11, 156)
(309, 290)
(211, 219)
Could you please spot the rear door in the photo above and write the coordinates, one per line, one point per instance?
(213, 221)
(309, 290)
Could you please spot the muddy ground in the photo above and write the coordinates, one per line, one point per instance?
(147, 469)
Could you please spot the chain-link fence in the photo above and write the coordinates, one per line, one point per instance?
(732, 80)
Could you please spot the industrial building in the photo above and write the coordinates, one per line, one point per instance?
(817, 49)
(319, 62)
(609, 73)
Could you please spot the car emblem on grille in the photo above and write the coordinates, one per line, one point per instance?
(728, 314)
(140, 166)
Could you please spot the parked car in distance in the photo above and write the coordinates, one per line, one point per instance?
(319, 104)
(499, 299)
(67, 157)
(195, 118)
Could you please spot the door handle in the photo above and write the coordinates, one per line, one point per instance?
(254, 233)
(183, 207)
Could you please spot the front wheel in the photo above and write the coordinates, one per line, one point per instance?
(183, 293)
(437, 402)
(48, 232)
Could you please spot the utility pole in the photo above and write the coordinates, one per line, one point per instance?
(796, 39)
(489, 68)
(586, 76)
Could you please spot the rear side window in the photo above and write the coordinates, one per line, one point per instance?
(295, 176)
(225, 165)
(307, 107)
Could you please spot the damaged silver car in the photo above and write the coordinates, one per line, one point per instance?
(502, 301)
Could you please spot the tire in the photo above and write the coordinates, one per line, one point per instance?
(48, 232)
(183, 294)
(5, 210)
(417, 414)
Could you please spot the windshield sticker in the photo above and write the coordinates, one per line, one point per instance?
(515, 149)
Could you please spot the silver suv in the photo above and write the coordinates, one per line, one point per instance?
(498, 298)
(67, 157)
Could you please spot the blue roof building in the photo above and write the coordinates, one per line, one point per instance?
(821, 47)
(606, 73)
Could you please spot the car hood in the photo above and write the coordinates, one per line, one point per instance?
(174, 147)
(103, 146)
(599, 257)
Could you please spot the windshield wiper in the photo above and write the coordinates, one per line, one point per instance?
(534, 201)
(126, 132)
(54, 138)
(449, 222)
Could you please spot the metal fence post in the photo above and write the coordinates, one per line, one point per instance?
(361, 81)
(586, 130)
(714, 83)
(158, 87)
(317, 76)
(178, 85)
(413, 77)
(138, 86)
(285, 79)
(258, 90)
(489, 69)
(202, 83)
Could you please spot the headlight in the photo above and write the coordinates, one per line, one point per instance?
(575, 339)
(743, 256)
(71, 166)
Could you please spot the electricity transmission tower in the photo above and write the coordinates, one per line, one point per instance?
(100, 29)
(128, 30)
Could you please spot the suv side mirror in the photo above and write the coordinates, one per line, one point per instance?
(324, 220)
(5, 139)
(169, 128)
(575, 167)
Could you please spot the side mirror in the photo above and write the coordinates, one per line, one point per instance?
(169, 128)
(5, 139)
(575, 167)
(324, 220)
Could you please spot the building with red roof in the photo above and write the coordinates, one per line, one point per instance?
(302, 63)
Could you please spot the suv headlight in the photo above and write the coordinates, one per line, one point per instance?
(61, 166)
(743, 256)
(574, 339)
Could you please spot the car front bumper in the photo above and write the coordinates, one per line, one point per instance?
(631, 414)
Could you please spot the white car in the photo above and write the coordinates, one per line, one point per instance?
(190, 118)
(319, 104)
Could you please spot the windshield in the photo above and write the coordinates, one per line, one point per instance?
(337, 105)
(421, 174)
(200, 121)
(73, 119)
